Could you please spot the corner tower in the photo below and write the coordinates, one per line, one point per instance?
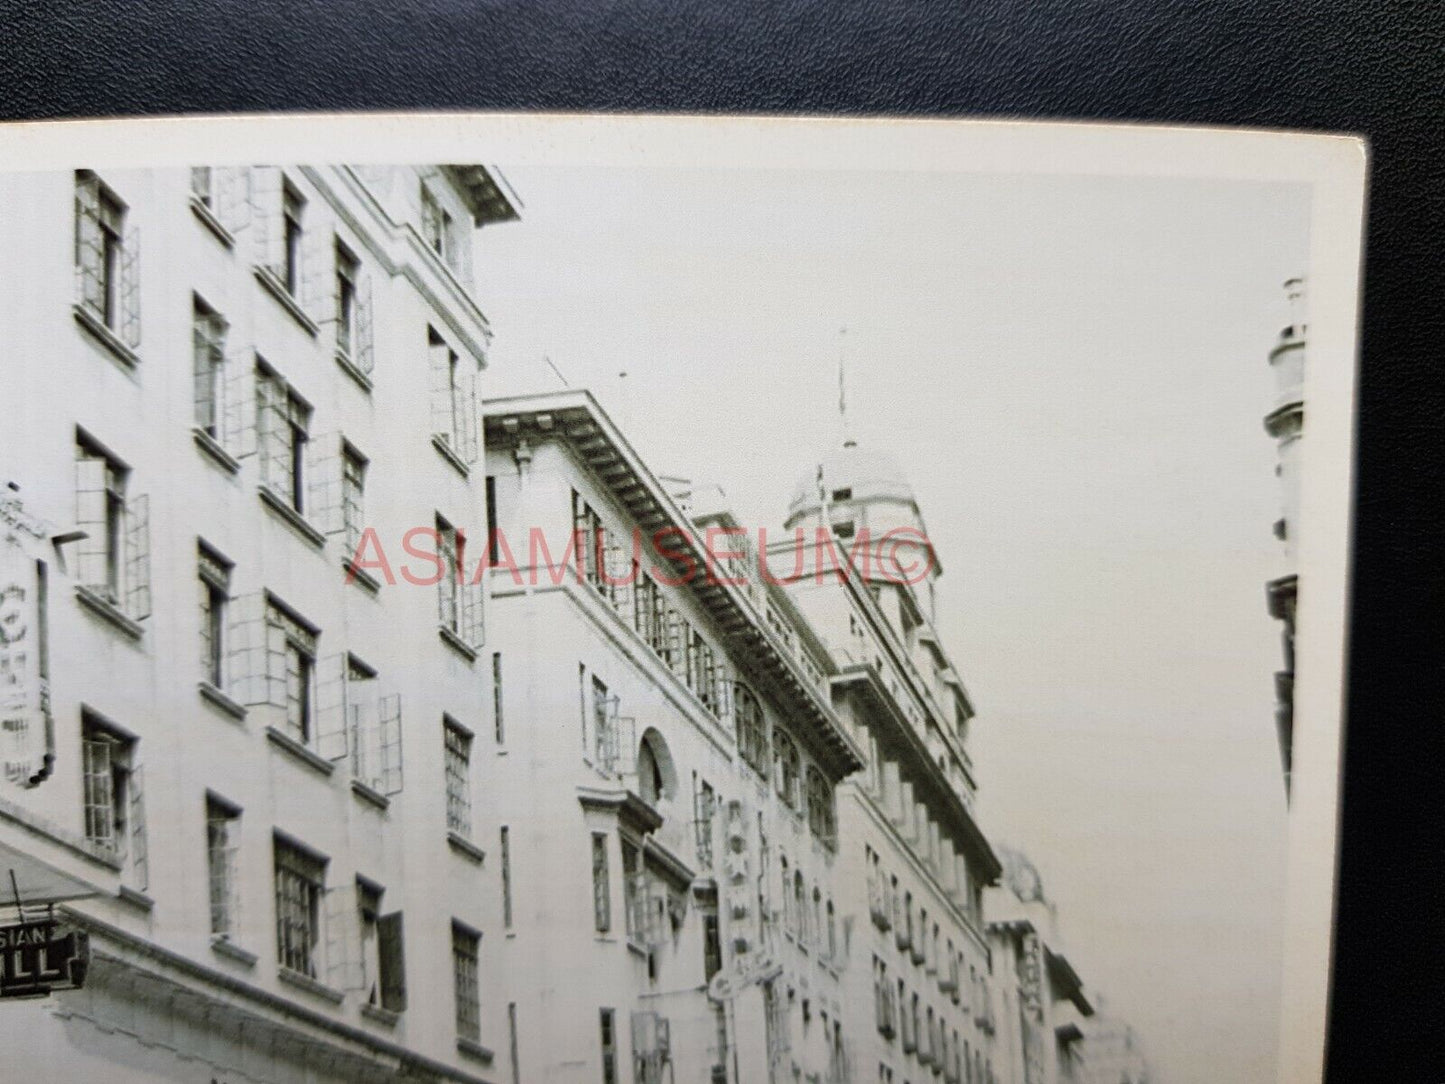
(1285, 423)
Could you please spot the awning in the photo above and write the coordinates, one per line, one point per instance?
(37, 882)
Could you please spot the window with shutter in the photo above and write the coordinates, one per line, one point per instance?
(107, 259)
(113, 559)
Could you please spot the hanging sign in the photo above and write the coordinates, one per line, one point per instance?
(39, 958)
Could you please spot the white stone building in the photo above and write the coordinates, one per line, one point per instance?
(230, 751)
(1042, 1008)
(917, 1003)
(662, 775)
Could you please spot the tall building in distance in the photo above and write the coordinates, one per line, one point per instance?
(230, 752)
(919, 963)
(1285, 423)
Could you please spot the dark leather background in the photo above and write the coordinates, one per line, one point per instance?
(1369, 68)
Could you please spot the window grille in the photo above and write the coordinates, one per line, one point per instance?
(453, 400)
(465, 952)
(107, 259)
(214, 581)
(353, 488)
(283, 419)
(222, 839)
(458, 744)
(113, 560)
(300, 887)
(353, 312)
(208, 355)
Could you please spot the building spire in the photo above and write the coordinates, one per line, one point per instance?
(848, 441)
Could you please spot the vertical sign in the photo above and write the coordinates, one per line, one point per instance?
(27, 738)
(1031, 1006)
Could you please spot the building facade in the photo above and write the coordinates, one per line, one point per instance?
(665, 762)
(227, 740)
(863, 571)
(1042, 1008)
(1285, 423)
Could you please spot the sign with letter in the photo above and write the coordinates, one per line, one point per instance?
(38, 958)
(27, 737)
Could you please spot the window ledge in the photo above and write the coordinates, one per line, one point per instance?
(211, 222)
(377, 1015)
(106, 337)
(313, 760)
(475, 1050)
(277, 289)
(103, 608)
(457, 644)
(369, 795)
(465, 847)
(351, 369)
(310, 985)
(223, 946)
(212, 447)
(135, 897)
(449, 454)
(292, 518)
(220, 700)
(359, 576)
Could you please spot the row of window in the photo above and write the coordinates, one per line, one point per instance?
(808, 918)
(639, 598)
(107, 250)
(902, 1015)
(892, 908)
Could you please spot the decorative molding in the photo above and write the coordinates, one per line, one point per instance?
(108, 611)
(213, 449)
(292, 518)
(107, 338)
(212, 223)
(220, 700)
(465, 847)
(276, 289)
(313, 760)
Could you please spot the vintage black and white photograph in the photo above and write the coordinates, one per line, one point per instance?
(614, 601)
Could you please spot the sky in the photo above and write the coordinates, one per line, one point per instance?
(1072, 372)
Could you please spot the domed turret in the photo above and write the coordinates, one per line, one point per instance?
(863, 495)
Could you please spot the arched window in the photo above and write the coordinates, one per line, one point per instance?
(656, 779)
(649, 778)
(820, 807)
(787, 765)
(752, 729)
